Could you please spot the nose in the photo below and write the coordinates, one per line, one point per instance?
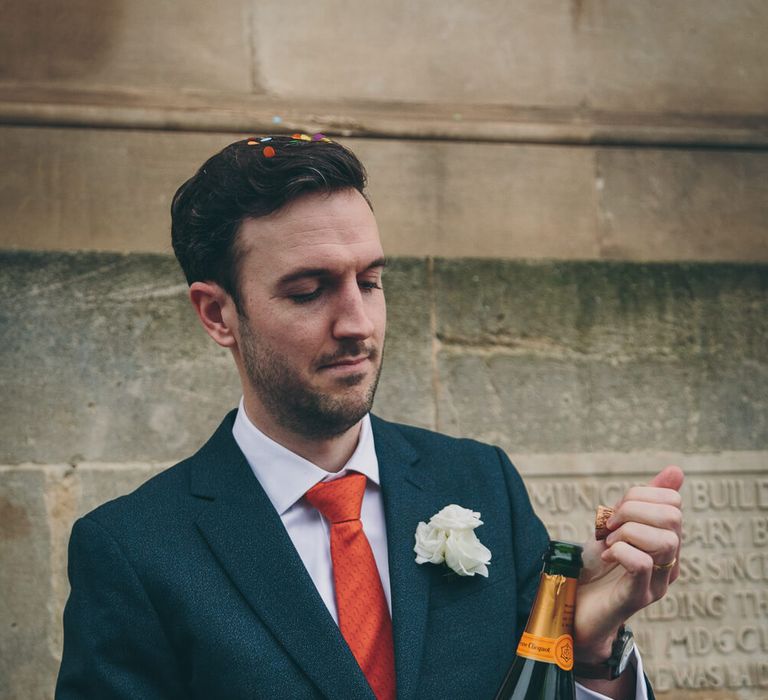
(352, 319)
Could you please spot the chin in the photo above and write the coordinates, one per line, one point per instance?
(333, 421)
(354, 380)
(347, 408)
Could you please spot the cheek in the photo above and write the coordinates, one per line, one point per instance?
(304, 335)
(376, 308)
(381, 320)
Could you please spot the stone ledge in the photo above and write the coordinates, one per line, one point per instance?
(476, 123)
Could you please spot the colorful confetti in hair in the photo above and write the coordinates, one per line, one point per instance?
(270, 152)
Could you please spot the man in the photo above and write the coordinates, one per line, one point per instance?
(243, 571)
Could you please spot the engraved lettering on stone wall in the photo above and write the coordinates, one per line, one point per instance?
(711, 631)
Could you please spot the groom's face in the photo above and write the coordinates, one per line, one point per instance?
(313, 317)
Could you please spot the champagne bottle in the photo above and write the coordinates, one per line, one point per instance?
(542, 669)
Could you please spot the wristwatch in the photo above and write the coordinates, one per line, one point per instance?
(621, 653)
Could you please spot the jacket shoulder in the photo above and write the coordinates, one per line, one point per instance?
(430, 441)
(156, 493)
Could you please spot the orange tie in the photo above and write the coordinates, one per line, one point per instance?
(363, 613)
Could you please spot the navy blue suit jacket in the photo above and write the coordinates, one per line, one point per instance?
(191, 588)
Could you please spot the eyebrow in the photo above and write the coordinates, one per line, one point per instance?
(303, 272)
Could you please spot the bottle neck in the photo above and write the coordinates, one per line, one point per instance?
(553, 610)
(548, 635)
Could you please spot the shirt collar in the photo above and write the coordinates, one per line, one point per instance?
(284, 475)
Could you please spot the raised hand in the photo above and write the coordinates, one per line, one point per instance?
(632, 567)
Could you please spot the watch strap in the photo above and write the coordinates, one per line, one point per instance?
(611, 668)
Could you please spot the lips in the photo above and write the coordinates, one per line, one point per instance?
(350, 362)
(347, 354)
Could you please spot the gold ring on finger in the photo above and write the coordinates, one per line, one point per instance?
(665, 567)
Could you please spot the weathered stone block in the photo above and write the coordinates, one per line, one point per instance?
(114, 364)
(28, 622)
(140, 44)
(621, 57)
(508, 401)
(639, 57)
(483, 199)
(73, 189)
(111, 190)
(38, 504)
(405, 392)
(69, 189)
(575, 357)
(606, 310)
(691, 204)
(533, 403)
(617, 56)
(117, 368)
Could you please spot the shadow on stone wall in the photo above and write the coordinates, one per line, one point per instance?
(48, 41)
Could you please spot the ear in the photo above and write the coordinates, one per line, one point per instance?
(216, 311)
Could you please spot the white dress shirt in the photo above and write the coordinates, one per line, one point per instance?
(286, 477)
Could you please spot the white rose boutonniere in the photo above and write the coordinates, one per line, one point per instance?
(449, 537)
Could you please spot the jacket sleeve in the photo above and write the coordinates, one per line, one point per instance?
(114, 643)
(529, 537)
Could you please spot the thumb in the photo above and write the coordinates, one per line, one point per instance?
(668, 478)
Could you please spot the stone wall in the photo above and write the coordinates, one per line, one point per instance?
(107, 189)
(592, 376)
(574, 129)
(575, 196)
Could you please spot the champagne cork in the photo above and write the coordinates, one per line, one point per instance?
(601, 518)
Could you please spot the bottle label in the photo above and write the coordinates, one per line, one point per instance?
(554, 651)
(549, 633)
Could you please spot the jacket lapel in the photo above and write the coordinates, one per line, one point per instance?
(249, 541)
(409, 496)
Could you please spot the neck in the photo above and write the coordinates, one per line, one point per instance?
(330, 454)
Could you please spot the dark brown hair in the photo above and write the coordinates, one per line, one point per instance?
(241, 182)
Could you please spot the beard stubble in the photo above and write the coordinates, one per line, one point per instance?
(294, 405)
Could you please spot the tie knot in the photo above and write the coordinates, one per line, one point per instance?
(339, 500)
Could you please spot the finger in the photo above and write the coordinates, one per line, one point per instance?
(658, 515)
(651, 494)
(662, 545)
(669, 478)
(634, 592)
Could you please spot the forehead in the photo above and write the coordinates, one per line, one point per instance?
(335, 231)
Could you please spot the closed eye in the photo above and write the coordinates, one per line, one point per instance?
(304, 298)
(369, 286)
